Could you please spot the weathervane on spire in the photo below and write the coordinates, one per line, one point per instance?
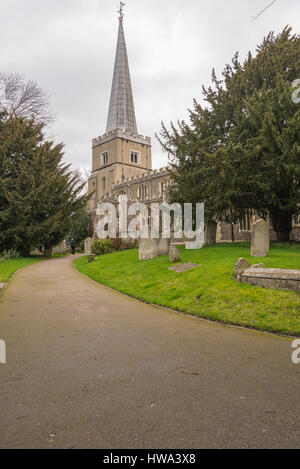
(120, 11)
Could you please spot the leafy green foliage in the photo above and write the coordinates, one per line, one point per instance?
(242, 150)
(102, 246)
(80, 227)
(10, 254)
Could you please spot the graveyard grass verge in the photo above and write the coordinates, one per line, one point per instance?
(210, 291)
(9, 267)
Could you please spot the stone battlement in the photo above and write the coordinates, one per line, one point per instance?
(141, 177)
(119, 133)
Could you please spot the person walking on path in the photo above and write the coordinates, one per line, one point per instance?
(73, 246)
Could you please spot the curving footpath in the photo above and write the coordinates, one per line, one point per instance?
(91, 368)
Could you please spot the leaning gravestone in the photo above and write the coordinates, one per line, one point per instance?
(240, 267)
(211, 233)
(147, 249)
(88, 245)
(174, 255)
(163, 246)
(260, 239)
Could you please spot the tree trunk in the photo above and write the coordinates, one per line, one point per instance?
(48, 251)
(25, 251)
(232, 233)
(282, 224)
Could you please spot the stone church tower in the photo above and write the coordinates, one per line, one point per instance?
(121, 153)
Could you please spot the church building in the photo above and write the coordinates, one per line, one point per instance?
(122, 158)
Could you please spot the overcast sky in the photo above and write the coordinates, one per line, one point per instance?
(68, 47)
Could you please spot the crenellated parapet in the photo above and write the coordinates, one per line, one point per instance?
(119, 133)
(141, 178)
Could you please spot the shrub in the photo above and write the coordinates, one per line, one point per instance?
(11, 254)
(102, 246)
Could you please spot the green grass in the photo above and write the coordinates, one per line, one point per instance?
(9, 267)
(210, 291)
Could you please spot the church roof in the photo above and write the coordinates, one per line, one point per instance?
(121, 114)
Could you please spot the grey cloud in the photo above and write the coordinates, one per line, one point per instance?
(68, 47)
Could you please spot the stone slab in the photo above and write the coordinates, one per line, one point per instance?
(277, 279)
(2, 285)
(147, 249)
(181, 268)
(240, 267)
(260, 239)
(163, 246)
(211, 233)
(88, 245)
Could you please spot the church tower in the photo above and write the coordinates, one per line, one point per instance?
(121, 153)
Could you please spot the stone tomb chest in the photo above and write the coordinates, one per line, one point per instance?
(278, 279)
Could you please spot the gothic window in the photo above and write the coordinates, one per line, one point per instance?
(104, 183)
(135, 157)
(248, 219)
(104, 159)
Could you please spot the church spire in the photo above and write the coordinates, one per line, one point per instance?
(121, 114)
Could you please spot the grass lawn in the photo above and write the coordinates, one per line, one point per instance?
(210, 291)
(12, 265)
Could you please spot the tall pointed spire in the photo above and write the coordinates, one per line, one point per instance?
(121, 114)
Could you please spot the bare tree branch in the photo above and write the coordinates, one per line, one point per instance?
(262, 11)
(23, 99)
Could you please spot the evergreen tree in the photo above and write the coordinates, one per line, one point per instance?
(242, 150)
(80, 227)
(39, 194)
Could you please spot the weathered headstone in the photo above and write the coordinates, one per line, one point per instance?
(147, 249)
(62, 248)
(260, 239)
(240, 267)
(163, 246)
(91, 258)
(88, 245)
(174, 255)
(211, 233)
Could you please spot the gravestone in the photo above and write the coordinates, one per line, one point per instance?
(91, 258)
(211, 233)
(88, 245)
(240, 267)
(257, 266)
(182, 268)
(163, 246)
(260, 239)
(174, 255)
(278, 279)
(147, 249)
